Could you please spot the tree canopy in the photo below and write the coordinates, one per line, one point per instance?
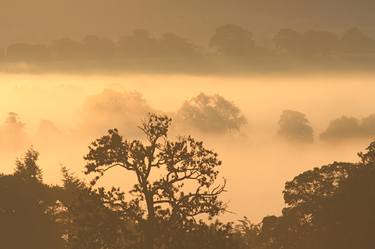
(295, 127)
(187, 170)
(327, 207)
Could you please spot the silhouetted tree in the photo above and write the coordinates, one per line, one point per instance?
(172, 45)
(319, 43)
(312, 43)
(185, 161)
(211, 114)
(346, 220)
(331, 207)
(242, 235)
(140, 44)
(343, 128)
(27, 168)
(355, 41)
(2, 54)
(13, 136)
(288, 40)
(233, 40)
(66, 49)
(308, 188)
(295, 127)
(346, 128)
(27, 52)
(368, 125)
(96, 48)
(273, 233)
(96, 219)
(305, 197)
(26, 208)
(368, 158)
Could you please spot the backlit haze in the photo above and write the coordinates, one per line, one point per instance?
(60, 114)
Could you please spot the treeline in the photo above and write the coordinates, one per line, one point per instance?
(294, 126)
(228, 40)
(325, 208)
(211, 115)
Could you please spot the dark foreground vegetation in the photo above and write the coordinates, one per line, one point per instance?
(231, 48)
(176, 199)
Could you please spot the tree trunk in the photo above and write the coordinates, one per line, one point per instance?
(149, 233)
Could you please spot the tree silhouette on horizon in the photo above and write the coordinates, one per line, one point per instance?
(188, 171)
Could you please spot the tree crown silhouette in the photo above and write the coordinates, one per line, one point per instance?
(175, 179)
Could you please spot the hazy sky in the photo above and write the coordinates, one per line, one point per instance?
(43, 20)
(77, 108)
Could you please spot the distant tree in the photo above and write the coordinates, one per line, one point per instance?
(233, 40)
(319, 43)
(211, 114)
(2, 54)
(355, 41)
(27, 52)
(295, 127)
(14, 126)
(346, 128)
(119, 109)
(66, 49)
(312, 43)
(140, 44)
(13, 119)
(288, 40)
(172, 45)
(96, 48)
(178, 163)
(13, 136)
(343, 128)
(46, 133)
(368, 125)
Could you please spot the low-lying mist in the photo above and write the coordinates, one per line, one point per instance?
(238, 117)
